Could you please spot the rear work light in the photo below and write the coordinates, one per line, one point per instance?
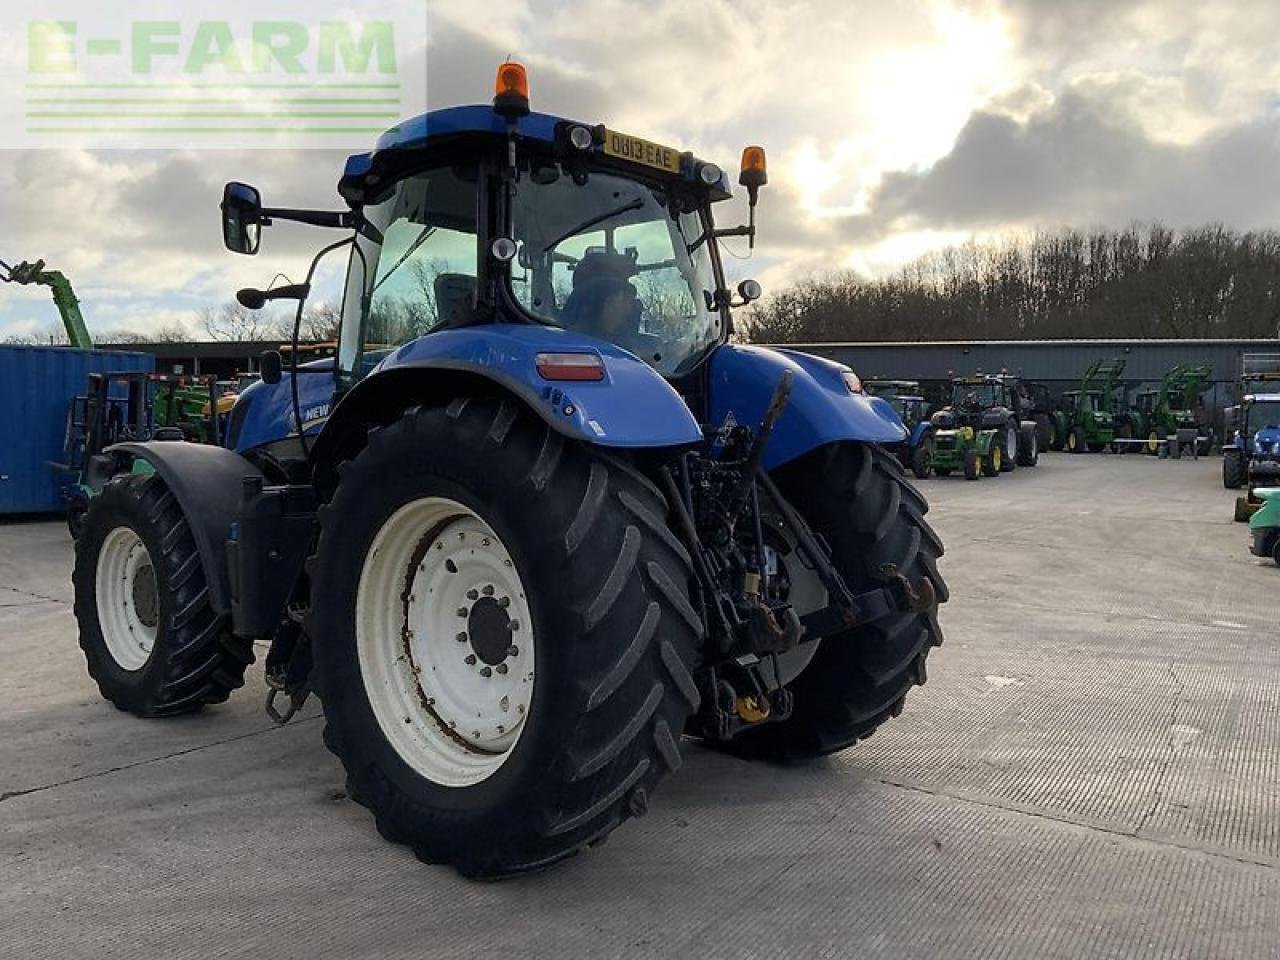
(569, 366)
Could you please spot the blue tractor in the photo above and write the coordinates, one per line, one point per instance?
(539, 519)
(1251, 455)
(913, 409)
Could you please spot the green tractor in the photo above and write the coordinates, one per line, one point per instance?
(1085, 419)
(1166, 414)
(128, 407)
(980, 433)
(910, 405)
(188, 406)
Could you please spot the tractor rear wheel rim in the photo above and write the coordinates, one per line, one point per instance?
(445, 641)
(127, 598)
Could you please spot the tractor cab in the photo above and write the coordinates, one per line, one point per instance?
(486, 215)
(903, 395)
(981, 401)
(1258, 436)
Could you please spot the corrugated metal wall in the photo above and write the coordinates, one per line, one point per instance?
(1056, 363)
(37, 385)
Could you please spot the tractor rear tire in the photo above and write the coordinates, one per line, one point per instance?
(870, 515)
(1234, 469)
(481, 504)
(150, 637)
(972, 464)
(1029, 445)
(1044, 431)
(1275, 550)
(1011, 448)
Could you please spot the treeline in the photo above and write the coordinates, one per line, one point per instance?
(1144, 281)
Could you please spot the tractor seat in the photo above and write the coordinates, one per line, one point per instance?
(455, 299)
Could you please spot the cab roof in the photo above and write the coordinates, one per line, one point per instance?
(417, 133)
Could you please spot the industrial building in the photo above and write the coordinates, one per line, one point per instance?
(1055, 363)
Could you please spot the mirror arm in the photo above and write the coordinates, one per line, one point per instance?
(719, 232)
(316, 218)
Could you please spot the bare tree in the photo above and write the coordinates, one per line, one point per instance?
(1141, 281)
(320, 322)
(231, 321)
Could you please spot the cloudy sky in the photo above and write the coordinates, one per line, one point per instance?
(892, 128)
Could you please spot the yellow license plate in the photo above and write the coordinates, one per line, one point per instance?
(637, 150)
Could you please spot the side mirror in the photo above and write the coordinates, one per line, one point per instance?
(271, 366)
(241, 218)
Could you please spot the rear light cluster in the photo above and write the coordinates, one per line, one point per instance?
(570, 366)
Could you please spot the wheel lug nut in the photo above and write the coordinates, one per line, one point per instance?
(504, 602)
(513, 651)
(488, 590)
(472, 595)
(462, 638)
(462, 611)
(471, 660)
(486, 672)
(515, 625)
(501, 668)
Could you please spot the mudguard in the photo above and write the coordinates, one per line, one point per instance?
(919, 434)
(822, 409)
(207, 483)
(633, 406)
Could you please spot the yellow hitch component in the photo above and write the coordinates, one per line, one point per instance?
(752, 709)
(966, 432)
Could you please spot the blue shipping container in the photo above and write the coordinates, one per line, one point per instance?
(37, 385)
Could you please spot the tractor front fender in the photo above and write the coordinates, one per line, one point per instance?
(920, 434)
(822, 409)
(206, 481)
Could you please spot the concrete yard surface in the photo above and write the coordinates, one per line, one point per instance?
(1093, 770)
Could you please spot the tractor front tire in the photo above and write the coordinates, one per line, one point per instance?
(993, 462)
(870, 515)
(503, 637)
(1076, 442)
(972, 464)
(1234, 469)
(150, 637)
(1242, 511)
(920, 462)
